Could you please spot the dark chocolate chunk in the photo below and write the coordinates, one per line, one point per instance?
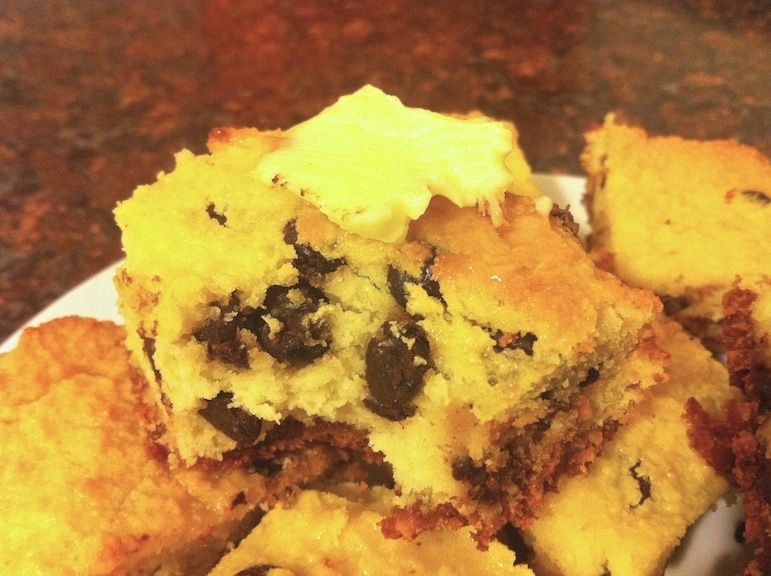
(739, 532)
(214, 215)
(592, 375)
(539, 429)
(294, 337)
(757, 196)
(223, 342)
(604, 170)
(644, 484)
(308, 261)
(555, 404)
(221, 336)
(483, 486)
(397, 279)
(464, 469)
(397, 359)
(764, 393)
(513, 539)
(265, 467)
(290, 232)
(513, 341)
(239, 500)
(673, 304)
(236, 423)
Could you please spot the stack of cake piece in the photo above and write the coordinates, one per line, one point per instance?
(704, 246)
(480, 355)
(372, 337)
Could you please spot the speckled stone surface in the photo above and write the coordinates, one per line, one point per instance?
(95, 97)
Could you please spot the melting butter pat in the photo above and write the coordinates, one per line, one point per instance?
(372, 164)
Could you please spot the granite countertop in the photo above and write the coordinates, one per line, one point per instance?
(95, 97)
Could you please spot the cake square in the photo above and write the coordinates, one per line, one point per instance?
(84, 489)
(683, 218)
(703, 247)
(481, 356)
(628, 514)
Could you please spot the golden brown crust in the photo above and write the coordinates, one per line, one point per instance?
(48, 355)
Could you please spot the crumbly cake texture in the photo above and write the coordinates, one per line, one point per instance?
(83, 489)
(481, 362)
(326, 534)
(738, 442)
(680, 217)
(629, 513)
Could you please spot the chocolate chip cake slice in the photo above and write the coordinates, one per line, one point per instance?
(627, 515)
(680, 217)
(457, 327)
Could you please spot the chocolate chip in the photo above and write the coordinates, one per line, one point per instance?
(592, 375)
(539, 429)
(643, 483)
(397, 359)
(239, 500)
(285, 325)
(757, 196)
(397, 279)
(221, 336)
(464, 469)
(290, 232)
(256, 570)
(483, 486)
(265, 467)
(236, 423)
(673, 304)
(603, 175)
(763, 392)
(513, 539)
(513, 341)
(308, 261)
(214, 215)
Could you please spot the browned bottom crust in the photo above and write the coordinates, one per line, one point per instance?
(504, 493)
(731, 444)
(508, 489)
(294, 454)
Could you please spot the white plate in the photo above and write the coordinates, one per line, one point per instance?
(709, 548)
